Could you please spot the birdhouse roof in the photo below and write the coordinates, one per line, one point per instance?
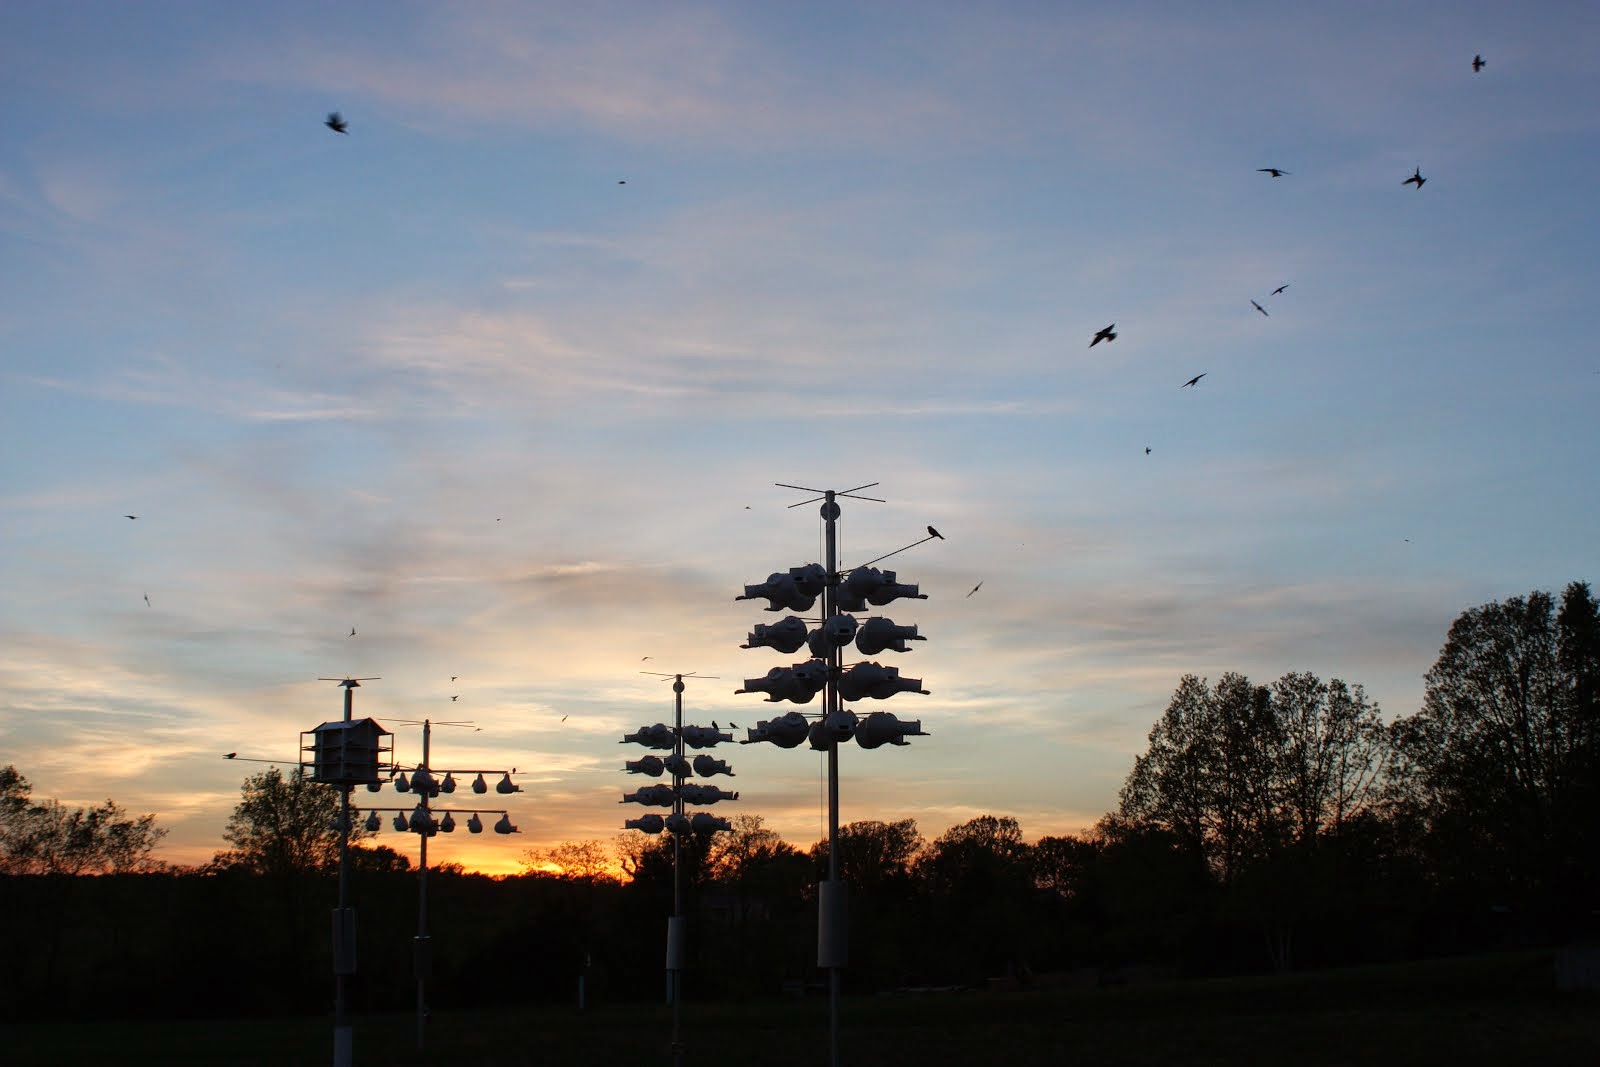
(354, 724)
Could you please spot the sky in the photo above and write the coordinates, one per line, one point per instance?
(503, 378)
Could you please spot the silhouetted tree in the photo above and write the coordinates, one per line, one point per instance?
(979, 884)
(1206, 777)
(583, 861)
(48, 838)
(284, 826)
(873, 853)
(1501, 761)
(1239, 772)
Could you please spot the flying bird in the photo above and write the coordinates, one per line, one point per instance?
(352, 631)
(336, 123)
(564, 718)
(147, 600)
(1416, 178)
(935, 533)
(1478, 64)
(643, 658)
(1259, 308)
(974, 589)
(1193, 380)
(1147, 450)
(130, 516)
(1279, 290)
(453, 699)
(1108, 334)
(231, 755)
(1274, 171)
(452, 677)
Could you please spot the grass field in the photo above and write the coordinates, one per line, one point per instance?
(1499, 1010)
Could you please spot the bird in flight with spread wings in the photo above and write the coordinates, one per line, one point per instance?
(1194, 380)
(336, 123)
(1274, 171)
(1416, 178)
(1108, 334)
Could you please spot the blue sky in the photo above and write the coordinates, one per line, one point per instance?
(495, 378)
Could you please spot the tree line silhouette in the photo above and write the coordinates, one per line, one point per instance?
(1265, 827)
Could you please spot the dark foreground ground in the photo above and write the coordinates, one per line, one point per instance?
(1500, 1010)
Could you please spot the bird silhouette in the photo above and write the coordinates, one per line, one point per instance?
(130, 516)
(231, 755)
(352, 631)
(1147, 450)
(643, 658)
(1108, 334)
(564, 718)
(1193, 380)
(453, 699)
(714, 725)
(1478, 64)
(1259, 308)
(336, 123)
(974, 589)
(1416, 178)
(935, 533)
(1274, 171)
(452, 677)
(1280, 289)
(147, 600)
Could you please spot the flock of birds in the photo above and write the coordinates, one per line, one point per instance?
(338, 124)
(1109, 333)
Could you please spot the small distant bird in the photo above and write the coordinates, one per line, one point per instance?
(1416, 178)
(1108, 334)
(714, 725)
(643, 658)
(1147, 450)
(563, 718)
(1259, 308)
(622, 181)
(974, 589)
(1478, 64)
(336, 123)
(732, 725)
(147, 600)
(935, 533)
(130, 516)
(231, 755)
(452, 677)
(1193, 380)
(453, 699)
(1274, 171)
(1279, 290)
(352, 631)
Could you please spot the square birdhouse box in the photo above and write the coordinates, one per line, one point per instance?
(348, 753)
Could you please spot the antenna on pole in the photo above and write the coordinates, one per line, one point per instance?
(828, 494)
(350, 686)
